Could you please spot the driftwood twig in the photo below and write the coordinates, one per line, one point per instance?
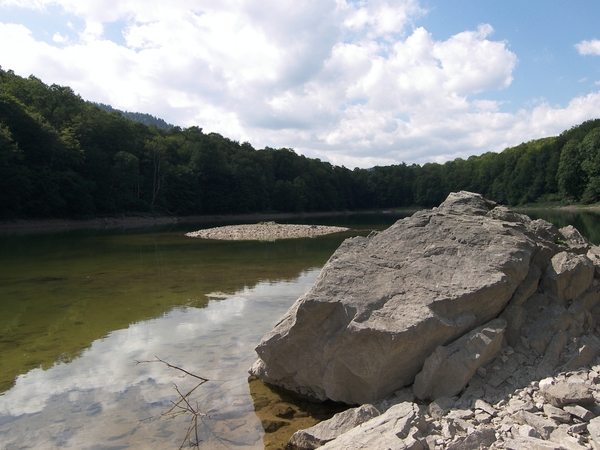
(184, 405)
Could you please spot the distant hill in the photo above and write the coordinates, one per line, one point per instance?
(144, 118)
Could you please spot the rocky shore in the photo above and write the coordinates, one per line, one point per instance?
(561, 412)
(465, 327)
(264, 231)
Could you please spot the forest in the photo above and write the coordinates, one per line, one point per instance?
(64, 157)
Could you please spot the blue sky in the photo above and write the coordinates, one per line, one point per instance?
(542, 34)
(357, 83)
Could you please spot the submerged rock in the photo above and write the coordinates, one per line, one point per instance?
(383, 304)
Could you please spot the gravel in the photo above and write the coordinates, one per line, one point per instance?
(264, 231)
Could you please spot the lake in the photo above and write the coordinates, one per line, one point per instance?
(80, 308)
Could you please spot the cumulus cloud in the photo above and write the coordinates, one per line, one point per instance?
(353, 82)
(588, 47)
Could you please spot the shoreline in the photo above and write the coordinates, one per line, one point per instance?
(33, 226)
(43, 226)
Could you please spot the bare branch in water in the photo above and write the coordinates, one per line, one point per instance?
(204, 380)
(183, 406)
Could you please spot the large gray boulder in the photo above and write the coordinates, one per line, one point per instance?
(383, 304)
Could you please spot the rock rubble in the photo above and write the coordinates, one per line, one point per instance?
(264, 231)
(561, 412)
(464, 327)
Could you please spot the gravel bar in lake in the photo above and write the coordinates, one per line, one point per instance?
(265, 231)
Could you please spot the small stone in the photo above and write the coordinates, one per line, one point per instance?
(554, 413)
(480, 404)
(411, 443)
(461, 414)
(448, 430)
(515, 405)
(541, 425)
(271, 426)
(529, 443)
(561, 394)
(456, 443)
(562, 437)
(439, 407)
(483, 417)
(283, 411)
(528, 431)
(593, 428)
(462, 426)
(330, 429)
(578, 428)
(403, 427)
(546, 383)
(481, 438)
(577, 378)
(431, 441)
(579, 411)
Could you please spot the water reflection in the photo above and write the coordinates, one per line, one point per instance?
(61, 293)
(96, 400)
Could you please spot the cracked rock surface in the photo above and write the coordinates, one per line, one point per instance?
(468, 326)
(383, 304)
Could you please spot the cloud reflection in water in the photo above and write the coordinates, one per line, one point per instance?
(96, 401)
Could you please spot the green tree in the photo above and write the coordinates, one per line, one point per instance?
(590, 154)
(15, 186)
(570, 175)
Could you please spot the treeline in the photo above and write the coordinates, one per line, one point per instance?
(61, 156)
(146, 119)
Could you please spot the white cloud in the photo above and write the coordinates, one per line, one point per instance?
(380, 17)
(474, 64)
(59, 38)
(588, 47)
(349, 82)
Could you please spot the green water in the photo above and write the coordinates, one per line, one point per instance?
(59, 293)
(78, 308)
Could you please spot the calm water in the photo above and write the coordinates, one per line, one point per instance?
(78, 309)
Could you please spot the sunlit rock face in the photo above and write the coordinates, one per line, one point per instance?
(384, 303)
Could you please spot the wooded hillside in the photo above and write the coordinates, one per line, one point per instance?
(61, 156)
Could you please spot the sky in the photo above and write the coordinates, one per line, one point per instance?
(357, 83)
